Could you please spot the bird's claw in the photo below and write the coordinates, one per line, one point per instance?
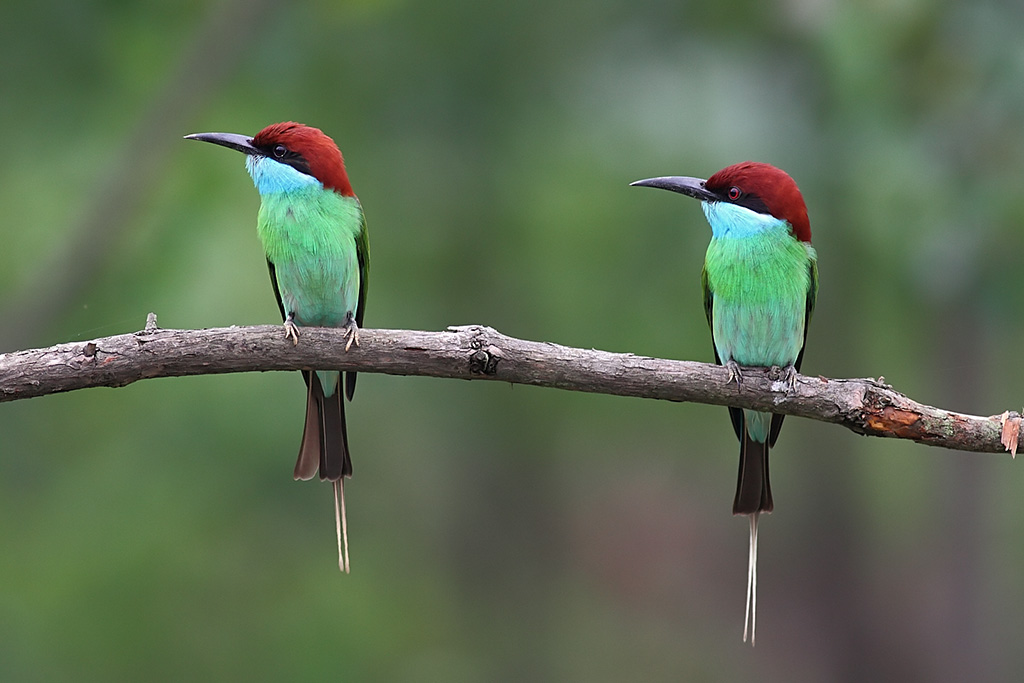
(789, 375)
(351, 334)
(291, 331)
(734, 373)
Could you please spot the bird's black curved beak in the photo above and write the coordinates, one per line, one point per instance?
(241, 143)
(691, 187)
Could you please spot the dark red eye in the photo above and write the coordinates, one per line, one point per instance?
(281, 150)
(735, 193)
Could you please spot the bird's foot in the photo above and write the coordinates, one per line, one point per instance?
(734, 373)
(788, 376)
(291, 330)
(351, 334)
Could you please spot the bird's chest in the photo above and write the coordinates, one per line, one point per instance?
(759, 300)
(315, 261)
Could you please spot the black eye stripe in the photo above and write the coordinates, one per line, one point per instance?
(752, 202)
(282, 154)
(735, 195)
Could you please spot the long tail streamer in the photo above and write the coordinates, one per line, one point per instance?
(341, 525)
(750, 612)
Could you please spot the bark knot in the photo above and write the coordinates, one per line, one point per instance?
(484, 361)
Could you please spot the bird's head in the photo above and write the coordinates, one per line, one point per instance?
(287, 156)
(756, 190)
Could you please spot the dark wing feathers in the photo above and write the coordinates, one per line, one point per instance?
(277, 290)
(363, 254)
(735, 414)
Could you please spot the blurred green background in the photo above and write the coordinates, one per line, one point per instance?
(506, 533)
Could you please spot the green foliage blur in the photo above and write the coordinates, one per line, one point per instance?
(505, 533)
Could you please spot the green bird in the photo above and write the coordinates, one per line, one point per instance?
(760, 282)
(313, 232)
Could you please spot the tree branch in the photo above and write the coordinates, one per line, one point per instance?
(865, 406)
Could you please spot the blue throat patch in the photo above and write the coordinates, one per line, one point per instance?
(272, 176)
(732, 221)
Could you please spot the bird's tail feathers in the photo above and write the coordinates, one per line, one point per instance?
(309, 451)
(334, 460)
(324, 437)
(341, 523)
(753, 489)
(750, 611)
(753, 496)
(325, 448)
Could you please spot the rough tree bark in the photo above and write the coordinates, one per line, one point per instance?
(866, 406)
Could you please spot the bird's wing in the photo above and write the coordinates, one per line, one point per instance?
(735, 414)
(812, 297)
(277, 290)
(363, 256)
(709, 304)
(280, 305)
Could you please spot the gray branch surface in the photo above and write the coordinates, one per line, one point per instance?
(474, 352)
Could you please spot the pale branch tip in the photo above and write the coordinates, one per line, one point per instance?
(865, 406)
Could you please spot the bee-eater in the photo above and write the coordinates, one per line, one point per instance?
(313, 232)
(760, 282)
